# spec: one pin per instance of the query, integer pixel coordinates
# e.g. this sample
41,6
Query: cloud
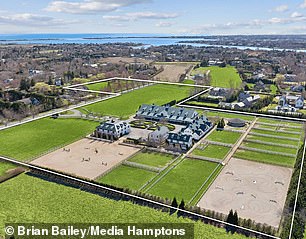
256,23
135,16
164,24
91,6
27,19
303,5
281,8
296,15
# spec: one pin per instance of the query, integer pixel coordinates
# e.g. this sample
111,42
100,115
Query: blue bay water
145,39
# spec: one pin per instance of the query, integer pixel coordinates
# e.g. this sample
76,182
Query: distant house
112,130
7,81
220,92
297,88
290,77
290,103
246,103
243,95
259,86
58,82
159,136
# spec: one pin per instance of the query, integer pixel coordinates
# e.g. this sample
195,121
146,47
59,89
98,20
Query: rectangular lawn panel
212,151
229,115
127,177
223,136
270,147
127,104
227,77
152,159
32,139
273,140
53,202
265,158
277,122
276,133
97,86
184,180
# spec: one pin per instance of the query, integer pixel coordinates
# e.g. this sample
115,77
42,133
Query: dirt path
239,142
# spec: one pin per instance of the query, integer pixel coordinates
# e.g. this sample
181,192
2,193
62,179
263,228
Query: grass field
229,115
207,104
270,147
212,151
183,181
224,136
278,128
57,203
189,82
97,86
277,122
127,177
127,104
273,140
276,133
265,158
34,138
226,77
4,167
152,159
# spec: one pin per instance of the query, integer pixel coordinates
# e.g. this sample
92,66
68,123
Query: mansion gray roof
112,127
174,137
172,114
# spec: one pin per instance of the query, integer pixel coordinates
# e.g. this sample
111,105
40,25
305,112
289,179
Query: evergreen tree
173,204
230,219
182,207
24,85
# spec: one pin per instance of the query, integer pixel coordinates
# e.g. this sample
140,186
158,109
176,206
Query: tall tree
175,205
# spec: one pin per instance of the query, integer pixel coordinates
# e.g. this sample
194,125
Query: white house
112,130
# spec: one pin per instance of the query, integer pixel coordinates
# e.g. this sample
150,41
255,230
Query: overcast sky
154,16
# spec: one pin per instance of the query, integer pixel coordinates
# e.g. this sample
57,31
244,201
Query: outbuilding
236,123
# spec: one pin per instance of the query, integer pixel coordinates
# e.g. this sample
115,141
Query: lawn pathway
239,142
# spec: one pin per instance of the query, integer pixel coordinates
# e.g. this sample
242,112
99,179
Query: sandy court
257,191
86,158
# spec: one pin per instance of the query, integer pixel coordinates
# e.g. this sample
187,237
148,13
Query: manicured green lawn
127,177
226,77
270,147
31,200
4,167
229,115
276,133
212,151
32,139
273,140
97,86
278,128
189,82
265,158
152,159
127,104
184,180
208,104
277,122
224,136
